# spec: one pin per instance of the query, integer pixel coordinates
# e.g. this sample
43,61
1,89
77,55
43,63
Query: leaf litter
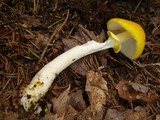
68,105
134,91
34,32
139,113
96,88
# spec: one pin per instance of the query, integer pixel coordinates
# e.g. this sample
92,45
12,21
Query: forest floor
34,32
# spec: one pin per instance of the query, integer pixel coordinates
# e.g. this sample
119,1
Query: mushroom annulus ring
123,35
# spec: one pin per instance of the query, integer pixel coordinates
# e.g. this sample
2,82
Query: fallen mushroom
123,35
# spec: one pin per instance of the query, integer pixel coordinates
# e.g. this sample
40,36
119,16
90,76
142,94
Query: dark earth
32,33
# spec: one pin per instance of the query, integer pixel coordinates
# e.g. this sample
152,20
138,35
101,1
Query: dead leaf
150,97
91,35
30,21
71,113
87,115
50,116
80,67
158,117
79,38
97,80
4,102
77,101
82,36
62,107
60,118
97,91
8,116
29,36
60,103
139,113
113,114
39,40
131,92
70,42
97,98
139,87
127,92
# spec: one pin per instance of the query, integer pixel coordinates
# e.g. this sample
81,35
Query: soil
32,34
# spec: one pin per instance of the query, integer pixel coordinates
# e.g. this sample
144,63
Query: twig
146,65
87,32
5,86
36,6
137,6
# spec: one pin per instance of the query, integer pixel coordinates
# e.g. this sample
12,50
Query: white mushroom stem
44,78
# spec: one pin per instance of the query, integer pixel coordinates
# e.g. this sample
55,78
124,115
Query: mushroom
123,35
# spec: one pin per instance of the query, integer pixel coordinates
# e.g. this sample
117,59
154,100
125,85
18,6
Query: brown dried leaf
30,21
97,98
97,91
60,118
71,113
69,43
139,113
158,117
4,102
102,37
62,106
113,114
39,40
77,101
50,116
29,36
91,35
87,115
97,80
79,38
150,97
80,67
8,116
82,36
139,87
126,91
60,103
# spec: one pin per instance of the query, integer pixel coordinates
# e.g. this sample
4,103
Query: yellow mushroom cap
133,47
